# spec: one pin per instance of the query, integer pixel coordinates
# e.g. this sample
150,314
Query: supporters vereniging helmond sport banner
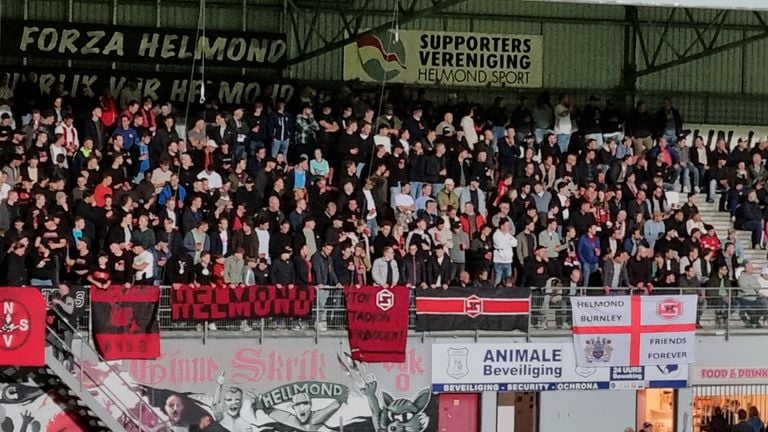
446,58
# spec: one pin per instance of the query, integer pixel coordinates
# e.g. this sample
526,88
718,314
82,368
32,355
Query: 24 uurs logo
14,330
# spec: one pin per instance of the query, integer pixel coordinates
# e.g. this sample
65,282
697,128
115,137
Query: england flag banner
634,330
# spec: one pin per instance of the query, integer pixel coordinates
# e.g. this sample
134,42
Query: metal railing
98,377
720,311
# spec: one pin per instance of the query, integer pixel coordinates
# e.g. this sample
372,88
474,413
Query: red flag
22,327
125,322
377,319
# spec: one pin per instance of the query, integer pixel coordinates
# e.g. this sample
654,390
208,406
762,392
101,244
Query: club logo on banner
634,330
22,327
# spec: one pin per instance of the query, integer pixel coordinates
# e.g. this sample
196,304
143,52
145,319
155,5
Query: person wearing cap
390,120
447,197
282,271
475,195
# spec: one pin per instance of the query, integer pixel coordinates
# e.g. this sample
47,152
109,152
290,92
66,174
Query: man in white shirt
468,126
504,244
446,126
262,232
161,175
382,138
57,147
563,125
403,202
214,179
143,265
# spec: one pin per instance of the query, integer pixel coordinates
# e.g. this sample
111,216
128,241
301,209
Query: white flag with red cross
634,330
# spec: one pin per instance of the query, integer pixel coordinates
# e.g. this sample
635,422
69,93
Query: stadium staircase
722,223
87,388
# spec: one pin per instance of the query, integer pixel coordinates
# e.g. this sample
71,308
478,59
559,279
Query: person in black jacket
435,168
95,129
303,267
179,269
640,126
203,271
535,275
417,162
439,269
282,271
669,122
16,267
750,217
413,272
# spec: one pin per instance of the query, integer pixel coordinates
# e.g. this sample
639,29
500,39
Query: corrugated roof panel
135,14
48,10
756,64
92,12
571,59
720,73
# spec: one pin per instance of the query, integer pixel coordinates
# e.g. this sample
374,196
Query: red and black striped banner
473,309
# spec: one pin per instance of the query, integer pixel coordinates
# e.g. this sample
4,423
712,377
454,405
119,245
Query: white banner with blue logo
634,330
478,367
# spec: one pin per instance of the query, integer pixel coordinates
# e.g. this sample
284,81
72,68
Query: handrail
718,312
144,406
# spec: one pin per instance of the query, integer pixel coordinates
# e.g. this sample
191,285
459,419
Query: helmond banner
141,44
446,58
162,86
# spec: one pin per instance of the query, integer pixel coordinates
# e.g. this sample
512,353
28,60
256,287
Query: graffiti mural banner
142,44
22,327
207,303
125,321
446,58
285,387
